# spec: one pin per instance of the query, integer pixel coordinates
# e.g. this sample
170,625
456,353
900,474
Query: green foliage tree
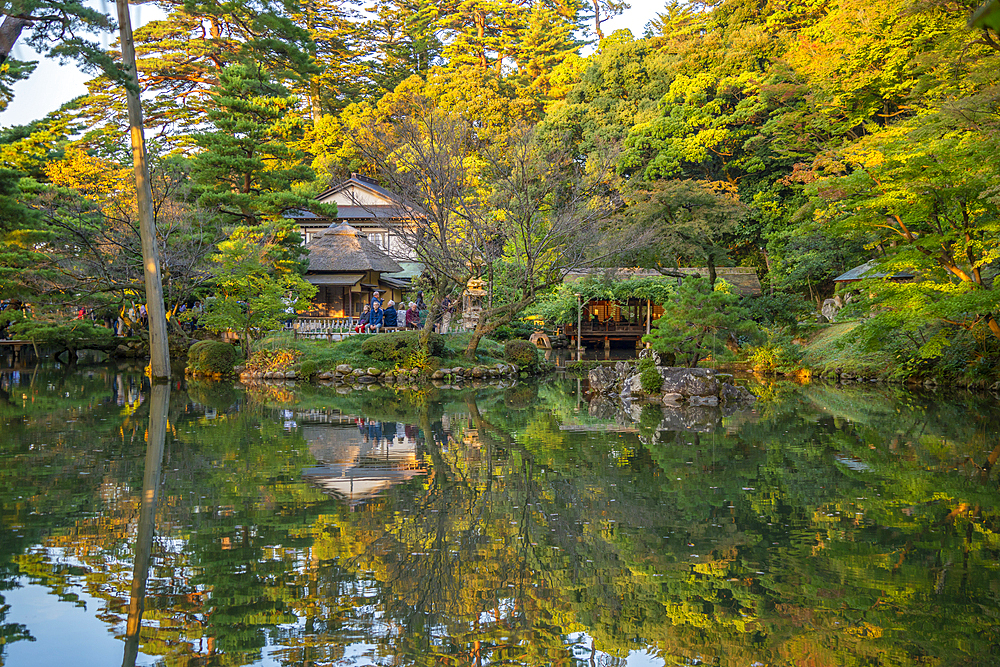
681,221
934,208
56,28
181,58
256,284
695,318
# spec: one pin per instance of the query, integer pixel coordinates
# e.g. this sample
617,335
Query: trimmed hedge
398,345
212,356
523,353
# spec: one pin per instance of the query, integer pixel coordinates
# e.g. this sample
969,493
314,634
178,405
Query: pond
205,524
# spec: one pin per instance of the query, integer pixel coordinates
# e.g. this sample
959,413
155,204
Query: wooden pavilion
608,322
346,268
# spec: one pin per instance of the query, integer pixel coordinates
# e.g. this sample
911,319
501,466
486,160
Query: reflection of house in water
360,462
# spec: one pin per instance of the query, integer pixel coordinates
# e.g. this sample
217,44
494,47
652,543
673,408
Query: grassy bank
831,350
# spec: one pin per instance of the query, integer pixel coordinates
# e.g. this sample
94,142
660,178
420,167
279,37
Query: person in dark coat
389,319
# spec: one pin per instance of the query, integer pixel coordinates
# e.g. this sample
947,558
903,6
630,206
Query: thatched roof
344,248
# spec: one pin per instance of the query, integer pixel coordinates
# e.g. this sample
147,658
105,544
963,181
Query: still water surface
281,526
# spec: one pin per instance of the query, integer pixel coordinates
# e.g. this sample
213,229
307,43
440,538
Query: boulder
672,400
689,381
624,369
603,379
374,371
830,309
731,394
632,386
658,359
437,375
344,369
367,379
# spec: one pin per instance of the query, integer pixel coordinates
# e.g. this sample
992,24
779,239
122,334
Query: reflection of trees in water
827,530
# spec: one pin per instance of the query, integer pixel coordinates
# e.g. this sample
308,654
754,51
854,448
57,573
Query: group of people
374,318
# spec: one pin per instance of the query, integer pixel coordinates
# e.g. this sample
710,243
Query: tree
473,197
547,214
55,28
251,160
930,201
255,284
685,221
182,58
696,312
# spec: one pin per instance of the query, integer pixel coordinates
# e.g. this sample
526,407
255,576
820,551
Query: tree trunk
159,349
598,20
10,30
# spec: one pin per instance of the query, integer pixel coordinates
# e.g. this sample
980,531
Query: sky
52,84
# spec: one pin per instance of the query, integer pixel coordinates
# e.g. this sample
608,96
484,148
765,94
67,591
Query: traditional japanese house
346,268
372,210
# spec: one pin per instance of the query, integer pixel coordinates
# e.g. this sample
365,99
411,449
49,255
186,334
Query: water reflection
362,458
830,526
155,437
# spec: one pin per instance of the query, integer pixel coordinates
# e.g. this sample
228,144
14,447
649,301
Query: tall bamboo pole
159,350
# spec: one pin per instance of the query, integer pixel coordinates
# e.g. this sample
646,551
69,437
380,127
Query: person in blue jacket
376,318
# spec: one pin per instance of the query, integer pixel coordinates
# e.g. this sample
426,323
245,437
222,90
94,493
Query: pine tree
694,315
250,162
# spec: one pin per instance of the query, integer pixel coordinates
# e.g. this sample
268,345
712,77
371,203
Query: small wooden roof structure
867,270
342,249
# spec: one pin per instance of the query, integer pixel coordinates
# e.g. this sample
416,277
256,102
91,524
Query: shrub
523,353
778,309
212,356
777,354
397,346
651,380
506,332
196,350
273,359
646,362
307,369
